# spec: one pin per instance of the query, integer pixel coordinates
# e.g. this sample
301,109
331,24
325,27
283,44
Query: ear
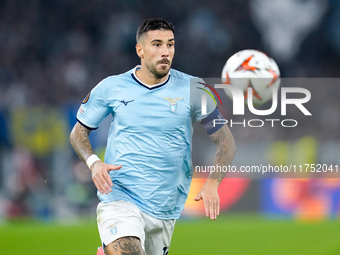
139,50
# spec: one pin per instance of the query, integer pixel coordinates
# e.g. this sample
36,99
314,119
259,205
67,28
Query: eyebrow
158,40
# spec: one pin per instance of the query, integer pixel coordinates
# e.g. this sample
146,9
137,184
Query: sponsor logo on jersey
126,102
172,102
82,110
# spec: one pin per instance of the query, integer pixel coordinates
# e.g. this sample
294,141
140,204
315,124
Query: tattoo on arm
125,246
225,152
80,141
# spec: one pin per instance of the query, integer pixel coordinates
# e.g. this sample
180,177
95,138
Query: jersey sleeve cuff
84,125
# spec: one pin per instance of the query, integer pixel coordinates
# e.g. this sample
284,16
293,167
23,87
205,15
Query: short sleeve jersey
150,136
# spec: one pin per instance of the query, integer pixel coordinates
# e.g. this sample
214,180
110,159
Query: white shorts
120,218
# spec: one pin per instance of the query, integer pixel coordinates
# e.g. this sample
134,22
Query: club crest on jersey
113,230
172,102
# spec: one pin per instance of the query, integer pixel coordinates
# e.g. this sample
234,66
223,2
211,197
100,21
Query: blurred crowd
54,51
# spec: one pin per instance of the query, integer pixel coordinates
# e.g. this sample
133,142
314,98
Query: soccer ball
252,69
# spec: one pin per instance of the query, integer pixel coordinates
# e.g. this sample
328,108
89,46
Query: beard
160,72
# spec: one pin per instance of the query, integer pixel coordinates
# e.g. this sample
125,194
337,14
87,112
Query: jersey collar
154,86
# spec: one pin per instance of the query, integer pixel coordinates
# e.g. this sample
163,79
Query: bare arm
80,142
225,152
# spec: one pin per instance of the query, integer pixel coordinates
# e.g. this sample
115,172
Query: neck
148,78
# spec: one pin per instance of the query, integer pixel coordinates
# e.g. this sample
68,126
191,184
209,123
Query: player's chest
143,102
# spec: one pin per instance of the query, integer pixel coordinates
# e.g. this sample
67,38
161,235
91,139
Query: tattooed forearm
80,142
125,246
225,143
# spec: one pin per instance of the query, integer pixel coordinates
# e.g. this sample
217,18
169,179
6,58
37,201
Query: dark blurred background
52,53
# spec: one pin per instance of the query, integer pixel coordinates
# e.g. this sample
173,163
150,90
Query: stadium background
54,52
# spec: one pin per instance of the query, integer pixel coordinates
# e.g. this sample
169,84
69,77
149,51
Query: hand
100,176
211,200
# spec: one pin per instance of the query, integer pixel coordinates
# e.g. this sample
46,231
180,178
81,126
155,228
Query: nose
165,52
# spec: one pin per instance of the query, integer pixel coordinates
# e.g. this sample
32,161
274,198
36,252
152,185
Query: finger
103,188
108,180
212,210
198,197
107,176
100,184
113,167
107,188
206,207
217,208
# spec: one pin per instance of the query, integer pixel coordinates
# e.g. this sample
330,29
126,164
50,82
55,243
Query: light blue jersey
150,136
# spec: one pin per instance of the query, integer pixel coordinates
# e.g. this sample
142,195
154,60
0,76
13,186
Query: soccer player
145,178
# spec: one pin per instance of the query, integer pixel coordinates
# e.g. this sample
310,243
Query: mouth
164,62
